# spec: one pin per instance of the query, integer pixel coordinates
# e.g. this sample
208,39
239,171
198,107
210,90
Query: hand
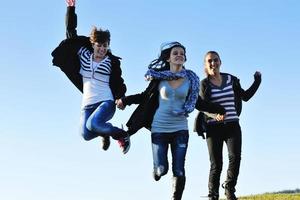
257,75
220,117
71,2
120,104
148,78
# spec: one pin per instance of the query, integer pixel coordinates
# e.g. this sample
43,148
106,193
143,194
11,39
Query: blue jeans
93,121
160,143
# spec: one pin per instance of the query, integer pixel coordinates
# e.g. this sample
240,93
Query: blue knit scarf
190,103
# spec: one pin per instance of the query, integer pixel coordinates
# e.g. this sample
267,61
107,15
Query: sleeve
140,97
203,104
248,94
116,81
71,22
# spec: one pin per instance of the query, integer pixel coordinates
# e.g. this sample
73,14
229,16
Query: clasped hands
119,104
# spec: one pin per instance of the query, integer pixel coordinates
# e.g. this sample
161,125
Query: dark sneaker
105,142
124,144
213,197
229,192
230,195
156,177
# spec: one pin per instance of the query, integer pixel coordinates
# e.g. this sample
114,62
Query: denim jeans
160,143
93,121
230,133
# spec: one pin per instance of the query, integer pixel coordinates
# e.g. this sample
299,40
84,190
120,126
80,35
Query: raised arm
71,2
247,94
71,19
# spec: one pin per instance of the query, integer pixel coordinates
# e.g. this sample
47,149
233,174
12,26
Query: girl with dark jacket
224,89
95,71
163,109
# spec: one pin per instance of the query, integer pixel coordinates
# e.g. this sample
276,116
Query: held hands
120,104
220,117
71,2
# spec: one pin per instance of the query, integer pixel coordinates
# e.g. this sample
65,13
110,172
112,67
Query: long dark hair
161,64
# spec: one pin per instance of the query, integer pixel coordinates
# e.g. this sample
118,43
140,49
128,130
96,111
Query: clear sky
42,155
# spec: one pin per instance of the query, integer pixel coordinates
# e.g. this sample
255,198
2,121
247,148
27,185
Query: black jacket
239,95
148,103
65,57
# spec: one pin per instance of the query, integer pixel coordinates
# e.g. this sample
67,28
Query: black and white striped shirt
224,95
95,78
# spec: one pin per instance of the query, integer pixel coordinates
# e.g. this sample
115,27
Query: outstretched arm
71,19
140,97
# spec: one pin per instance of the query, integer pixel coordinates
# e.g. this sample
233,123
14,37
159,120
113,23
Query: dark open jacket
148,103
66,58
239,95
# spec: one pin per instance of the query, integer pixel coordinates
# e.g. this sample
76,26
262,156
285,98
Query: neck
97,58
176,68
215,77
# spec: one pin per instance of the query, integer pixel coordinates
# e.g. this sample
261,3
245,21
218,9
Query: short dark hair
99,35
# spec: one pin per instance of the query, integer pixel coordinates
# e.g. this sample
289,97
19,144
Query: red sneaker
124,144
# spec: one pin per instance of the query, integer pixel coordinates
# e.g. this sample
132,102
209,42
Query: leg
178,187
85,114
215,148
179,147
87,134
160,154
97,121
234,146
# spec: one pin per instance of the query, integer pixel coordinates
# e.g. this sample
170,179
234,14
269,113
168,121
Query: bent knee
86,136
161,170
178,172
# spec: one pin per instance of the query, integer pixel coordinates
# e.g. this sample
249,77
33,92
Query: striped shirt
95,78
224,95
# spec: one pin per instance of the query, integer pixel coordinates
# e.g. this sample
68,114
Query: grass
295,196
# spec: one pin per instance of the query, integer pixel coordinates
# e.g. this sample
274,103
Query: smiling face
212,63
177,56
100,50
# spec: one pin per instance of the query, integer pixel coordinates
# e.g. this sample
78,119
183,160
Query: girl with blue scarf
163,109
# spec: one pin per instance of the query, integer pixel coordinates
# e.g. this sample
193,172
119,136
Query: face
100,49
212,64
177,56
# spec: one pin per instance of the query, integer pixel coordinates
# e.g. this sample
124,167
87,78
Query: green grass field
272,197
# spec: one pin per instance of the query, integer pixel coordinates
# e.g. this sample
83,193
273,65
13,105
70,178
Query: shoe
229,192
124,144
105,142
156,177
230,195
213,197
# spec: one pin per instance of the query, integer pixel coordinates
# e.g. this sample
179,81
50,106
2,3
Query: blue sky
42,155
